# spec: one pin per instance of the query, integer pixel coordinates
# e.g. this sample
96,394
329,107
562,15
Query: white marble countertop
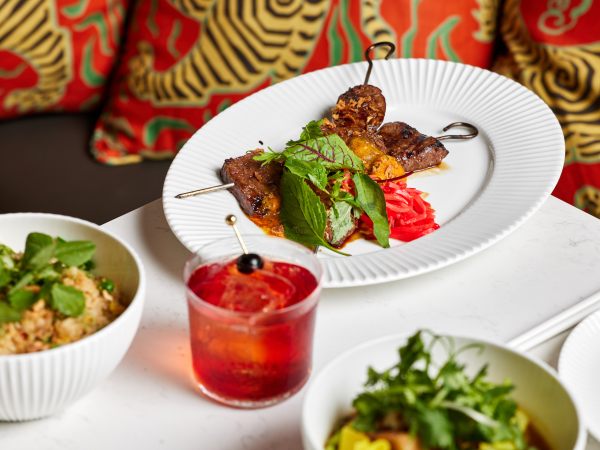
539,280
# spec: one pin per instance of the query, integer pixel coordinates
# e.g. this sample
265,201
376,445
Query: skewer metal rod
205,190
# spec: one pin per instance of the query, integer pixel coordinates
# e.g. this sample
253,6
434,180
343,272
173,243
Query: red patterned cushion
55,55
553,48
187,60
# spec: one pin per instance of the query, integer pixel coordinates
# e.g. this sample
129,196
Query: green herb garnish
441,405
36,275
318,163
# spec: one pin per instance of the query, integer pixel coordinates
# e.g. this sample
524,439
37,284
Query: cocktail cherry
246,262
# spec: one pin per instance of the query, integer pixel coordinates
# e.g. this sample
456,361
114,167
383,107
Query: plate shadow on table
167,252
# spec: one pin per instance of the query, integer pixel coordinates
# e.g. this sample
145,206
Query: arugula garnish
36,275
442,405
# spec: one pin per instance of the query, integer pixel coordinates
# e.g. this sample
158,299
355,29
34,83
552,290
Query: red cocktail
251,333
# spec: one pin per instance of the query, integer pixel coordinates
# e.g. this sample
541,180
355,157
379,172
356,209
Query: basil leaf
5,276
23,281
39,249
21,299
341,221
48,273
8,314
371,199
67,300
45,292
311,170
331,151
302,214
75,253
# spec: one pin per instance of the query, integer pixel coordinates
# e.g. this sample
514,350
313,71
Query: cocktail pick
246,262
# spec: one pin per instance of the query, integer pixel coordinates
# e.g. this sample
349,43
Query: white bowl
35,385
538,391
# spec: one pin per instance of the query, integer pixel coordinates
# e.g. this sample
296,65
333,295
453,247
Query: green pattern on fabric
97,20
207,115
14,73
355,50
88,74
409,36
76,9
556,16
172,39
151,19
335,43
443,34
226,103
89,103
154,127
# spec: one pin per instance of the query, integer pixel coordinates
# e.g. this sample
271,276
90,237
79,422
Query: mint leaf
331,151
302,214
39,249
371,199
67,300
310,170
21,299
341,221
8,314
74,253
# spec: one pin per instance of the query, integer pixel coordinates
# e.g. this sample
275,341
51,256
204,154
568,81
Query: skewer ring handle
474,131
370,48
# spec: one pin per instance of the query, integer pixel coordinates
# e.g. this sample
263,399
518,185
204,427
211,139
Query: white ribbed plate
579,367
492,183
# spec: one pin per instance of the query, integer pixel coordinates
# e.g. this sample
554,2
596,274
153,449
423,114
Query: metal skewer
205,190
231,220
474,131
392,49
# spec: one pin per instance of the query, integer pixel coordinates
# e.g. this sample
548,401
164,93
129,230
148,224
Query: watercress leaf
75,253
331,151
39,249
341,221
372,201
5,276
8,313
46,291
67,300
310,170
302,214
21,299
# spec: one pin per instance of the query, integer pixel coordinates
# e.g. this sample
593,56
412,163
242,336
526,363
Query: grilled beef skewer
256,188
414,150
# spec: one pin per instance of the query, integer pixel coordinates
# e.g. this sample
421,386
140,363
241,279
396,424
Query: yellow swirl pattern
567,78
275,39
30,30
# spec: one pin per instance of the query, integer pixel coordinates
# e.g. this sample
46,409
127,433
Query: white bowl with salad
71,298
439,392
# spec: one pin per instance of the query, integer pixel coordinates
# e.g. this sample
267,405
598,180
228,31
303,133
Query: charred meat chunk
360,108
414,150
256,185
